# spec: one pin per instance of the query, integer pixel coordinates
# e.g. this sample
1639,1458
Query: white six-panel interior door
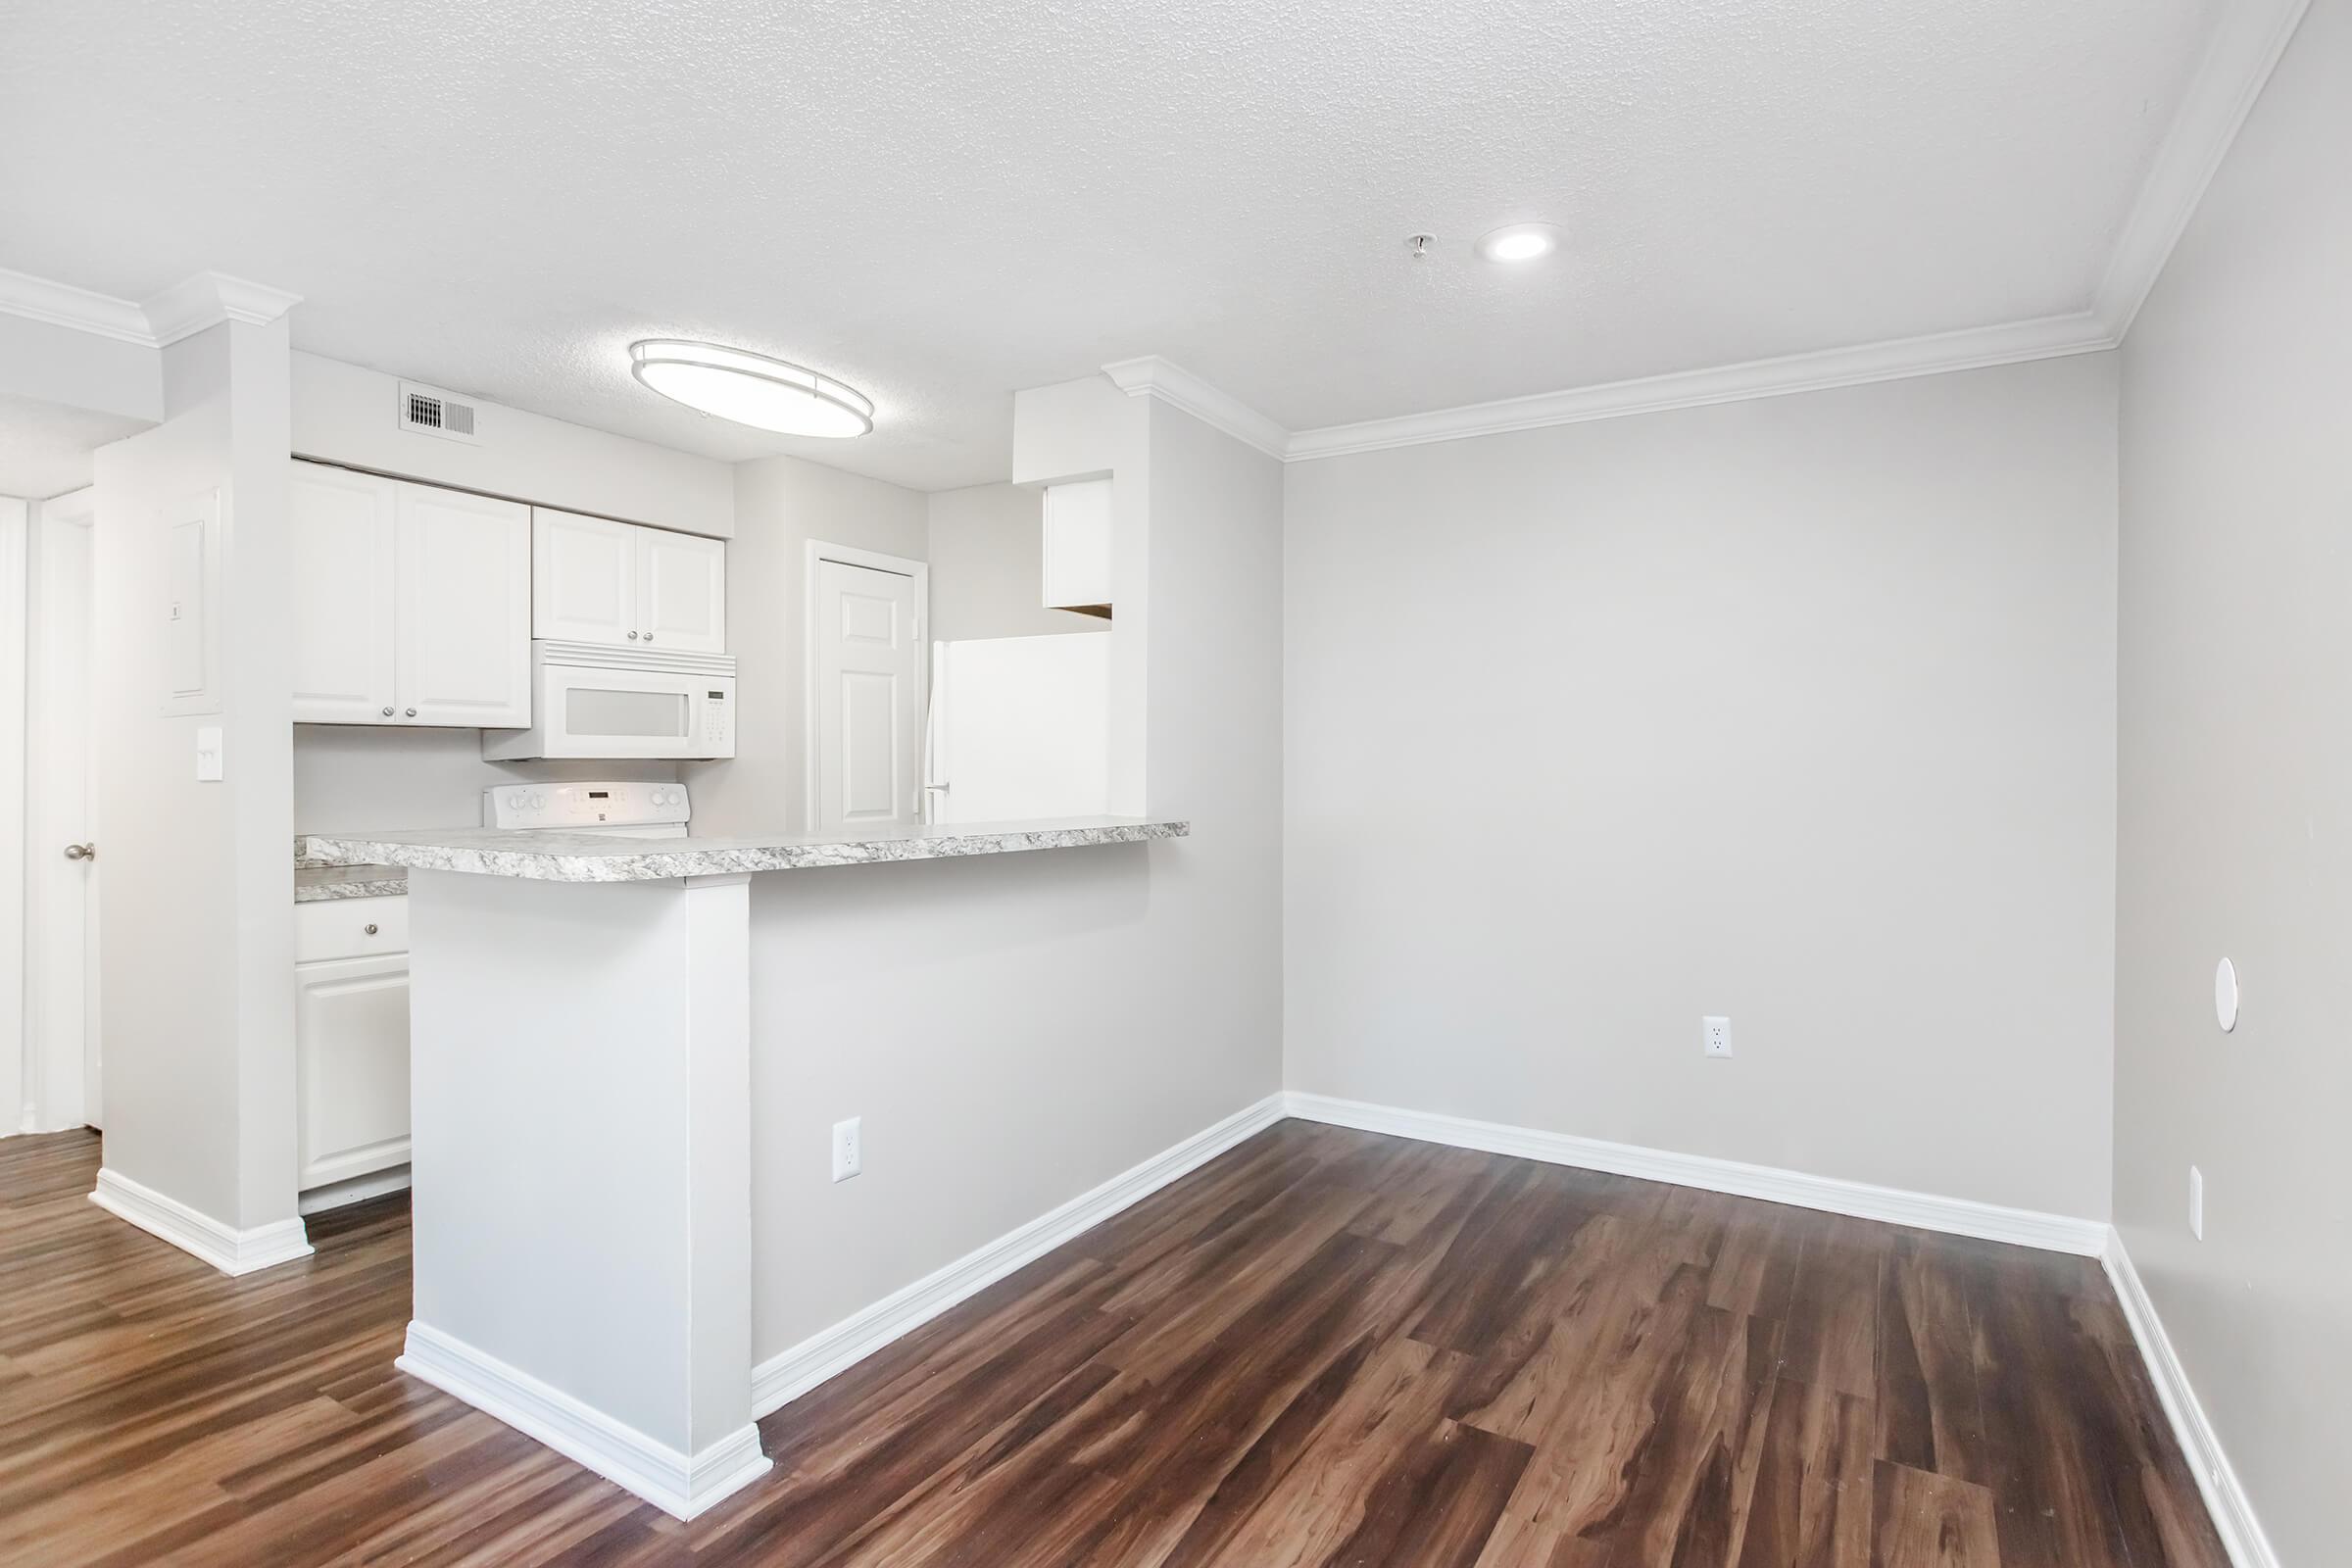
48,898
16,1114
60,1054
866,660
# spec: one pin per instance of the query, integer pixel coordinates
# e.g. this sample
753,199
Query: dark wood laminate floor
1325,1348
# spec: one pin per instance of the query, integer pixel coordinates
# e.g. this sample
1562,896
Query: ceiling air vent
429,411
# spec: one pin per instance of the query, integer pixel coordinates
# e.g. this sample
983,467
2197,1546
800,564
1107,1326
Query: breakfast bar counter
589,857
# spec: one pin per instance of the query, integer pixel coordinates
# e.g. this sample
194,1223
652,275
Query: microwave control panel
718,723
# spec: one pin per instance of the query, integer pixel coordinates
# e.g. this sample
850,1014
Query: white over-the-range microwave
589,699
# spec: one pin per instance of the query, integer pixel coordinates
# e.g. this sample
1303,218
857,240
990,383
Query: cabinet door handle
370,928
81,852
649,636
632,636
411,712
388,712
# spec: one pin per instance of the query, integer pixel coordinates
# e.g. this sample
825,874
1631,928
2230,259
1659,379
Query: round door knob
411,712
81,852
632,636
370,928
387,712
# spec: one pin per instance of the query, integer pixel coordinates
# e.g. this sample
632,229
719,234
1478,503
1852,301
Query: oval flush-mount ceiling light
750,388
1518,242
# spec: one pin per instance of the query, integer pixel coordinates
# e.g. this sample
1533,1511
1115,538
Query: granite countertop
589,857
314,881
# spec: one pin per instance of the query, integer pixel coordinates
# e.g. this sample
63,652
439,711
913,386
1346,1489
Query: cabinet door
345,559
584,578
464,617
351,1056
1078,546
682,591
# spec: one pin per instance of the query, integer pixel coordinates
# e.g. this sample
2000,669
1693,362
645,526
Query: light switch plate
208,754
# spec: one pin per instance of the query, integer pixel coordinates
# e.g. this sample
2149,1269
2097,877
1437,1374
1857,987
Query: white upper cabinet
464,640
594,580
583,577
345,557
682,591
412,602
1078,547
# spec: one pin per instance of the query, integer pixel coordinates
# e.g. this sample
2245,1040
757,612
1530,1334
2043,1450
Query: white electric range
630,809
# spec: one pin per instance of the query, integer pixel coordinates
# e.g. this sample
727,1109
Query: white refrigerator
1019,729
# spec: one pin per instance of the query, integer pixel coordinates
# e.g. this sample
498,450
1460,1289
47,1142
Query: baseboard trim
781,1379
2224,1498
679,1483
230,1250
1957,1217
354,1189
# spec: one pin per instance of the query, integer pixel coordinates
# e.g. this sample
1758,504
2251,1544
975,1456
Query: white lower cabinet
351,1042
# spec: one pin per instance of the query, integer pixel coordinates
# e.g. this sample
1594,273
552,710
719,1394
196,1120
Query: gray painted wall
780,505
195,927
1015,1030
2235,822
988,558
1799,710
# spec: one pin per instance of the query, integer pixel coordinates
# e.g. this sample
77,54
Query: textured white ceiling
45,447
941,202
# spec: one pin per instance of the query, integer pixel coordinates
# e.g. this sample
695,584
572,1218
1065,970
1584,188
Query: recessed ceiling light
1519,242
750,388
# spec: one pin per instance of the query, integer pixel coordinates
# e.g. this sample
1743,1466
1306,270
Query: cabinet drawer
350,928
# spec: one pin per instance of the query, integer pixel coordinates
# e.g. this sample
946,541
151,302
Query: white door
464,609
61,1012
16,1080
346,559
866,654
350,1047
583,578
682,591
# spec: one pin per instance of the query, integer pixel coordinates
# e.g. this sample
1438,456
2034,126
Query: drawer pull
372,928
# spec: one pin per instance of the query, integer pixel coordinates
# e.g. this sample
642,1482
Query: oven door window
637,715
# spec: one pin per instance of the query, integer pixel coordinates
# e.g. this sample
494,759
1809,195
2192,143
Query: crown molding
1972,349
2248,40
206,299
188,307
1153,377
37,299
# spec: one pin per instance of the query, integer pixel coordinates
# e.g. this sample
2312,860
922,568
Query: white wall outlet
208,754
2197,1203
1715,1036
849,1148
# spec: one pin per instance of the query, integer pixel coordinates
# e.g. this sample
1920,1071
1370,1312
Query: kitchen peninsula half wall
582,1019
